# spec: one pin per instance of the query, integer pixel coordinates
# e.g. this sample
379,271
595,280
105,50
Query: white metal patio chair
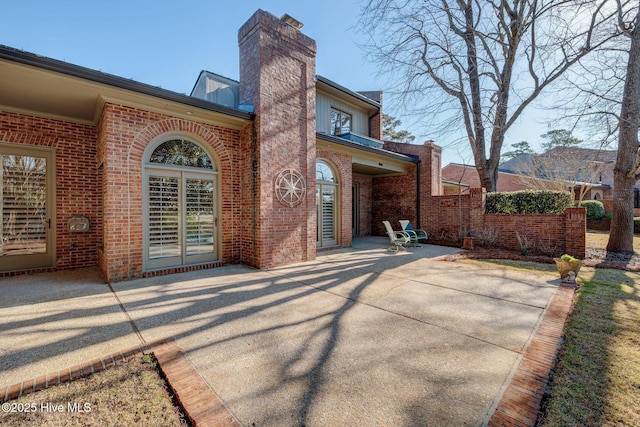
414,234
397,238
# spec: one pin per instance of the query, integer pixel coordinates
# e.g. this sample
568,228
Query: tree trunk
624,179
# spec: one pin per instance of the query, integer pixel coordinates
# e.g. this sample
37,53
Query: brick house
100,170
588,171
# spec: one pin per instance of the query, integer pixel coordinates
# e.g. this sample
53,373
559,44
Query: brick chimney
277,77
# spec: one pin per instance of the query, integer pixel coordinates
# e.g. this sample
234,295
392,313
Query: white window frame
321,242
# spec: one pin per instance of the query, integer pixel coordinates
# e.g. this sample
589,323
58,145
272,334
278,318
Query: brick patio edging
520,403
201,405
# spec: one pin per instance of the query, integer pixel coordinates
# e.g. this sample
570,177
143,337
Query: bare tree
479,64
625,173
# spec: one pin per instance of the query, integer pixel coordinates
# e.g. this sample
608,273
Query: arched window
326,204
324,172
179,152
180,204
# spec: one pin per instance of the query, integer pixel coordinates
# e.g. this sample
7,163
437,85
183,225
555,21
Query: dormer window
340,122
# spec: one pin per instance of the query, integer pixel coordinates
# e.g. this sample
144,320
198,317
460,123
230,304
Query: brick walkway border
521,400
201,405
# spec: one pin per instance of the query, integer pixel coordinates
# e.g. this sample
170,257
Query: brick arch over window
341,164
134,196
153,130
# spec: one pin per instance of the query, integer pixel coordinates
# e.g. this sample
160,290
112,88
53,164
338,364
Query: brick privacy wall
124,133
447,215
76,180
365,201
277,75
565,233
342,163
543,230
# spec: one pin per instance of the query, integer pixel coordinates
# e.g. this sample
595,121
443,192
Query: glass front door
26,206
181,218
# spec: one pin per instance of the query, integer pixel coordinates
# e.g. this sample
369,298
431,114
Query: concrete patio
357,337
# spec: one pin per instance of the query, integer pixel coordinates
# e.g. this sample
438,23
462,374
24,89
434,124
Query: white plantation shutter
200,216
164,217
328,213
181,221
23,203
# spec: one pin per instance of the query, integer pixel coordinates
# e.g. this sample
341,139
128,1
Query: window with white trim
180,208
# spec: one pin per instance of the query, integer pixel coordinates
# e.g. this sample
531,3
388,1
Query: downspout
418,194
377,113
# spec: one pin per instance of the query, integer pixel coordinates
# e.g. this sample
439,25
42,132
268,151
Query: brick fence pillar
575,234
477,198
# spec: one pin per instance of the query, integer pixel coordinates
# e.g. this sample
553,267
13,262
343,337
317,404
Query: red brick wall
365,184
277,76
447,215
76,180
549,230
455,213
124,133
394,198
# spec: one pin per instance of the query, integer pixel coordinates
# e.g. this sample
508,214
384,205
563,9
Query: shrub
636,225
568,258
487,237
528,202
595,209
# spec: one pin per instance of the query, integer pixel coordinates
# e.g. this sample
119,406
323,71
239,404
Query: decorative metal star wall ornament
290,187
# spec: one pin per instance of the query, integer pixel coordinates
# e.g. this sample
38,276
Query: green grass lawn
598,240
597,379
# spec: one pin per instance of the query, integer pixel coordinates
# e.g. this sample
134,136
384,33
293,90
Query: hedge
528,202
636,225
595,209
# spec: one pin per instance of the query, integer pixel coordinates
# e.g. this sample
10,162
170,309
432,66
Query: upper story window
179,152
340,122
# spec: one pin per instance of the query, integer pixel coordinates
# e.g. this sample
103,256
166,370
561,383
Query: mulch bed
600,258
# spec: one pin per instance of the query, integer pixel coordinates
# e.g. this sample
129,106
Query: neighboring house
589,171
466,176
100,170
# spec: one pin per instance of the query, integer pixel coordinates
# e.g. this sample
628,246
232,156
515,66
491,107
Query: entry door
181,219
326,213
27,206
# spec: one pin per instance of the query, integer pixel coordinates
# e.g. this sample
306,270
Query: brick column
477,198
575,234
277,77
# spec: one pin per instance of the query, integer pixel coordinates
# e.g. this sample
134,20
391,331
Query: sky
168,43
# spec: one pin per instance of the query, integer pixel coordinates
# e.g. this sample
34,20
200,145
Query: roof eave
57,66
